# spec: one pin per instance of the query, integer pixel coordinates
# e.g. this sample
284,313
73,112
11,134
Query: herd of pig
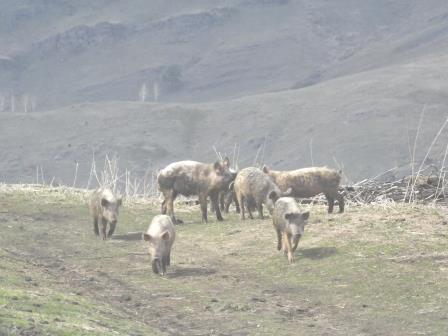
249,188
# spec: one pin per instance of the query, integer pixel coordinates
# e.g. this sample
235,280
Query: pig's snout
157,267
295,241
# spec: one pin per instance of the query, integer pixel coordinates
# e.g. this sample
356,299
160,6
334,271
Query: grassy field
371,271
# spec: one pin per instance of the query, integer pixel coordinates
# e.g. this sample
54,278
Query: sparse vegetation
374,270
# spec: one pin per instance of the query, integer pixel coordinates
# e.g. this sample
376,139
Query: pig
289,225
160,236
254,188
308,182
194,178
226,197
104,207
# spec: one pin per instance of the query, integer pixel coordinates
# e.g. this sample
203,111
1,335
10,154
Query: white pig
160,235
289,224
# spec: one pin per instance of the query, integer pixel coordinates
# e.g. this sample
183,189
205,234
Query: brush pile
418,189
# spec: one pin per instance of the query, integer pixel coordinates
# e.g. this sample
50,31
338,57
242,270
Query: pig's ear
226,162
119,201
273,195
265,169
306,215
165,235
104,202
146,237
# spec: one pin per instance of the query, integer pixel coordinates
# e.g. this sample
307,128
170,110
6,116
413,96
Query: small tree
142,93
25,102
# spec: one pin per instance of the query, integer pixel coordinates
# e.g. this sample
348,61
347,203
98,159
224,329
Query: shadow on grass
316,253
130,236
180,272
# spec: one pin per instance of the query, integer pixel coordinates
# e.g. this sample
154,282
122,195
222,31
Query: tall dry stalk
441,178
412,195
414,149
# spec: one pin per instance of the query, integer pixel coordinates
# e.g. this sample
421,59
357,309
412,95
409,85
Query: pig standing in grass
253,187
160,235
194,178
289,224
104,206
309,182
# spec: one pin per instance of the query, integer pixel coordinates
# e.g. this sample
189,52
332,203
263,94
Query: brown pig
289,225
160,235
194,178
308,182
253,187
104,206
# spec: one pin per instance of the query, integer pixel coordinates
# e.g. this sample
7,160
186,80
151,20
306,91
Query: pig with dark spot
289,224
254,188
104,207
160,236
309,182
190,178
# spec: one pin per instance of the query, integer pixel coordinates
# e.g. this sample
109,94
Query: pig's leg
237,203
279,239
170,197
222,198
249,210
241,202
287,241
330,200
112,227
169,206
212,206
260,210
203,203
215,200
168,259
174,196
294,246
95,226
103,228
340,199
164,264
227,203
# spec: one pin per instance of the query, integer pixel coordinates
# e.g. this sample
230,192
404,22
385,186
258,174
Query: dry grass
376,269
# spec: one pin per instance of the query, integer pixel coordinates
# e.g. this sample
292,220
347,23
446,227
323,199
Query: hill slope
366,122
60,52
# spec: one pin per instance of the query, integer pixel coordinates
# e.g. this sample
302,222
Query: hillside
364,123
60,52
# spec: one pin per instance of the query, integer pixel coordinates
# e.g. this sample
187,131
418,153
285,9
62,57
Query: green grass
370,271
